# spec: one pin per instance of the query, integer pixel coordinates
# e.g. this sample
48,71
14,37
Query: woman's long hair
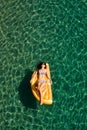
39,66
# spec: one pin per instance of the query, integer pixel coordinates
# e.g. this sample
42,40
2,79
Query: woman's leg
40,87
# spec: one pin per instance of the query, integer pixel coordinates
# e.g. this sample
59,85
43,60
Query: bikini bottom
42,81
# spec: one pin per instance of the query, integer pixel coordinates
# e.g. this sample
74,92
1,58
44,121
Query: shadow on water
25,92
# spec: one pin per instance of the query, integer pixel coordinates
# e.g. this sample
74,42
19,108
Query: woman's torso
42,74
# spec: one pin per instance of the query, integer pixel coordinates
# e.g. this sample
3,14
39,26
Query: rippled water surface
53,31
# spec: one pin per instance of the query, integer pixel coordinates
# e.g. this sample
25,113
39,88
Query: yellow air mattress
47,92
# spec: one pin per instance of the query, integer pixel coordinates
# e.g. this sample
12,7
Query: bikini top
42,73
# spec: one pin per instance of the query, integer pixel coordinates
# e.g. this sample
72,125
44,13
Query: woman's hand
50,81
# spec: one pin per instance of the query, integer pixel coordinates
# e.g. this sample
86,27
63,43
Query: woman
42,74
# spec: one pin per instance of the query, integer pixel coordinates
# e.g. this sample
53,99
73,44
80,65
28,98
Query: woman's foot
41,102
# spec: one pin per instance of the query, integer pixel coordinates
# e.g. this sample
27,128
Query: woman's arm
49,77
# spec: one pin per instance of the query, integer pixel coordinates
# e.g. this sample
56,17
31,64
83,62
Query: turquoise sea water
54,31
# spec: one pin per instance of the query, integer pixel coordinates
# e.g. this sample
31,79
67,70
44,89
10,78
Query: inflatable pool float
47,92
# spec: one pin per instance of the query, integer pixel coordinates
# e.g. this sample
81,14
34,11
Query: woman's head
41,65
